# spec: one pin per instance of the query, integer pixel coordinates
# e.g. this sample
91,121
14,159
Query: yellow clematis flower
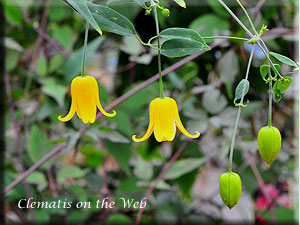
163,120
85,100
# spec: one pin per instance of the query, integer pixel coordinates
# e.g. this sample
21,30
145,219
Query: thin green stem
268,57
236,18
251,35
239,113
270,102
158,51
84,48
226,37
245,11
149,42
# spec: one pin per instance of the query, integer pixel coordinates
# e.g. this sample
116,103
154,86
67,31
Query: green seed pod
269,143
230,188
165,12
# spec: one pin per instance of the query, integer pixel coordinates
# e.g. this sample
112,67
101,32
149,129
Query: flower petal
95,89
150,126
164,124
70,114
86,104
147,134
179,123
73,104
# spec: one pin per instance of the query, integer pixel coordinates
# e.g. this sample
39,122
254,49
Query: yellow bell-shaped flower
163,120
85,100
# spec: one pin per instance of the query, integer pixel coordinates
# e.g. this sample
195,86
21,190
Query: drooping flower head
85,100
163,120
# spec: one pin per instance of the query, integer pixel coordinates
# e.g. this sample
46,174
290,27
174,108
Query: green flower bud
269,143
165,12
230,188
148,12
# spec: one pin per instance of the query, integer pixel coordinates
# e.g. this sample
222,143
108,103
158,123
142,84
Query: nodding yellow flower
85,100
163,120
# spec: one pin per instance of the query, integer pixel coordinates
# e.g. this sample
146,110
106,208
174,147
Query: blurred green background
104,161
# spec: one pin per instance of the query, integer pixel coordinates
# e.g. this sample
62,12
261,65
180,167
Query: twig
257,8
159,178
36,53
45,36
18,135
56,150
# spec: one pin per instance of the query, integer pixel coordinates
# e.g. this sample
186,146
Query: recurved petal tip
136,139
195,135
64,119
112,114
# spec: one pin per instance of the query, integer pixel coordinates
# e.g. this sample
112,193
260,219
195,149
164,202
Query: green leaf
186,182
111,21
218,8
281,86
284,59
41,65
130,185
139,2
121,152
182,33
107,133
181,3
55,62
182,47
39,145
63,34
81,7
143,169
72,67
209,25
277,66
264,70
119,218
241,90
13,13
70,172
93,155
55,90
39,179
183,166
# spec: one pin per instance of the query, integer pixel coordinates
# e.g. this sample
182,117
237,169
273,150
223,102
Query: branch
261,184
56,150
17,129
159,178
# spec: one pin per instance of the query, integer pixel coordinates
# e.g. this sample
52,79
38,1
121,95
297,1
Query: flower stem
84,48
158,51
245,11
266,53
236,18
226,37
270,102
239,113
